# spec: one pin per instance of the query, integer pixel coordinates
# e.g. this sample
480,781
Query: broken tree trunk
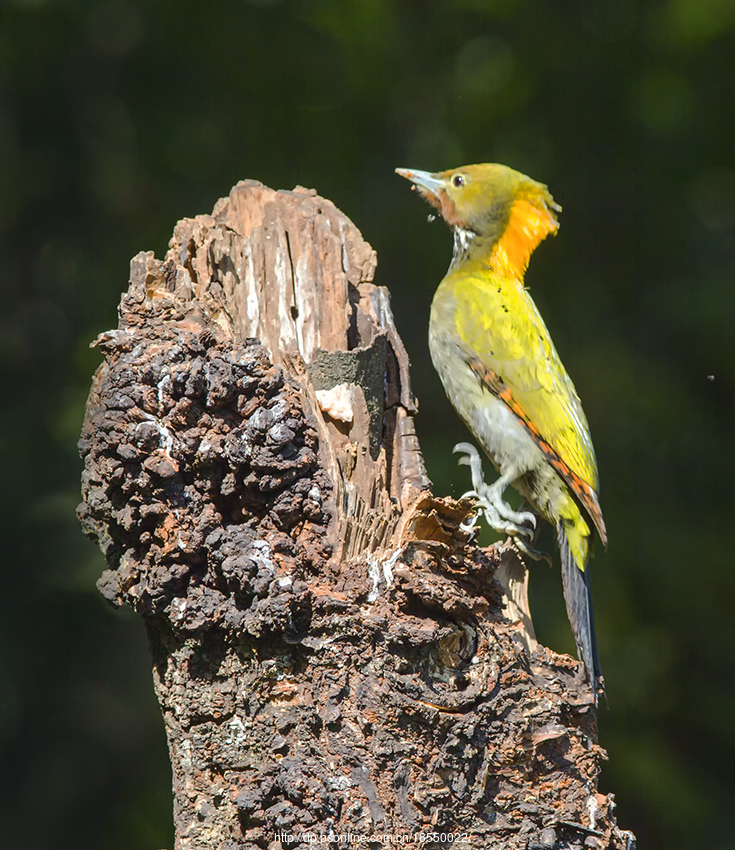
333,654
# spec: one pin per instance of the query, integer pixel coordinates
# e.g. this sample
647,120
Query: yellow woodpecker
501,372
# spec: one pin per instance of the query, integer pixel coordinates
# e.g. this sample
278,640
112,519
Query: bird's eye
458,180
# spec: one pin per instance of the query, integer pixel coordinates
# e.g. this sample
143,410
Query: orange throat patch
527,225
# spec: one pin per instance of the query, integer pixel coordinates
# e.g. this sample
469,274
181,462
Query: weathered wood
332,652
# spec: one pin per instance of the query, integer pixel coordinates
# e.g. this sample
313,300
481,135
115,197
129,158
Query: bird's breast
493,424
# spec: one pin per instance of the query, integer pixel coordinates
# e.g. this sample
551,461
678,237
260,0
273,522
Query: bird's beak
427,183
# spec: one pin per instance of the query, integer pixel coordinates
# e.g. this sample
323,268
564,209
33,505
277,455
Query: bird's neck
508,251
467,245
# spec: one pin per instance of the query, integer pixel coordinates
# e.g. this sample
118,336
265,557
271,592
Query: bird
504,377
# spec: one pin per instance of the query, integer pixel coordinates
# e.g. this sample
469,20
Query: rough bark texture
333,655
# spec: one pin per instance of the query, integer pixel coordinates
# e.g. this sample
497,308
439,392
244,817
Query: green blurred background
119,117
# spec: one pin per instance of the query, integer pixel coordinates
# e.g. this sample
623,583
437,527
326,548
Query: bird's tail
573,539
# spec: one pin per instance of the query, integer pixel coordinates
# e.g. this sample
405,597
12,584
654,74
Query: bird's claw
490,502
533,554
517,524
470,527
469,456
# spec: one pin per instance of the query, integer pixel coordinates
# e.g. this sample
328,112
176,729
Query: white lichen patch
260,553
378,570
178,608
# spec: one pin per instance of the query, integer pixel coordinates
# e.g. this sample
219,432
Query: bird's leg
490,501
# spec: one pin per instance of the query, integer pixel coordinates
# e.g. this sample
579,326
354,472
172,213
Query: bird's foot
521,525
533,554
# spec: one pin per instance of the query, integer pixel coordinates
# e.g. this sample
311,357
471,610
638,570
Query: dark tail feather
578,596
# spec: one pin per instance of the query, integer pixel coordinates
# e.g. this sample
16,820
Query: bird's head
508,211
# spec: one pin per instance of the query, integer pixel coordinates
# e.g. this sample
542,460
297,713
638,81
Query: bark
333,654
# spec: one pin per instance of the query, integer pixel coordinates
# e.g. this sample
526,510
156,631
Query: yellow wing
510,349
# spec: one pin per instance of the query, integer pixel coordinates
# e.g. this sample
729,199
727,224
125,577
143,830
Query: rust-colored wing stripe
580,488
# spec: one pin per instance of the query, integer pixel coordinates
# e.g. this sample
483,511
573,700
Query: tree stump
335,659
